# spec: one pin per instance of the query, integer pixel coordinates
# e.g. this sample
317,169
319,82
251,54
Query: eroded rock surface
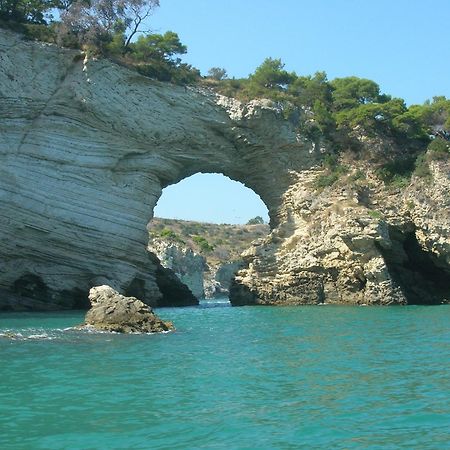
219,279
192,269
357,242
87,146
111,311
85,150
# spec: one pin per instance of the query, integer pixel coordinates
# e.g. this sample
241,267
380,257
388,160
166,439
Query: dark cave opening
31,286
37,296
423,279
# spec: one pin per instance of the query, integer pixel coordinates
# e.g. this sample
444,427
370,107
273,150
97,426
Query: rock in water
111,311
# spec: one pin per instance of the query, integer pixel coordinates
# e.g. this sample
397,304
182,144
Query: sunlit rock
111,311
86,148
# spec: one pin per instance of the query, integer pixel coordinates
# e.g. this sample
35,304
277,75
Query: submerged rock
10,335
111,311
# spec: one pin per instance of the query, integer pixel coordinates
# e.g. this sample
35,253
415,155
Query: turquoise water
231,378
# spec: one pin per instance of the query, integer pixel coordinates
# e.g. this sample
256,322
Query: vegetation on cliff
103,28
349,113
218,243
337,115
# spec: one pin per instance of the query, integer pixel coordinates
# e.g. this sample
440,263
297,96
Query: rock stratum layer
87,146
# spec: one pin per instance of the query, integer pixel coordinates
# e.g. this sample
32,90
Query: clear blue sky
210,198
403,45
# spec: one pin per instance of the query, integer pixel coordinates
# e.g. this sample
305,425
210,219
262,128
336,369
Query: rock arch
227,200
200,230
87,147
93,146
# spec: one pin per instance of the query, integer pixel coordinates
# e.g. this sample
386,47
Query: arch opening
211,198
201,226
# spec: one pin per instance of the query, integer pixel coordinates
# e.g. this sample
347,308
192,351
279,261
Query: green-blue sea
230,378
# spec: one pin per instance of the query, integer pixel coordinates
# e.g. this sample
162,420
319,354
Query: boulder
111,311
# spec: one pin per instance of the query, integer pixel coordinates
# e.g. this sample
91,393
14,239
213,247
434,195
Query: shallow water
230,378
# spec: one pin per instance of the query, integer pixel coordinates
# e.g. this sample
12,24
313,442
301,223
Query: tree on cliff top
350,92
23,11
271,74
256,221
158,46
156,56
217,73
96,21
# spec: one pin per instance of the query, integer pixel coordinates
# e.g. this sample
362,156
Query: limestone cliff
86,147
187,265
357,242
192,269
219,281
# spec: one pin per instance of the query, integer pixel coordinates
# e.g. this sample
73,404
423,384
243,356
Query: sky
210,198
403,45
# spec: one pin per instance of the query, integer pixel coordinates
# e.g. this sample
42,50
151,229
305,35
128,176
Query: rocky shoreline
203,278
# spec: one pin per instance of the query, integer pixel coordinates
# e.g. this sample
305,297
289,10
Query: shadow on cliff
422,278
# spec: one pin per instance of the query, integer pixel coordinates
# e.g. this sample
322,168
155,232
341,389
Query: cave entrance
423,279
200,228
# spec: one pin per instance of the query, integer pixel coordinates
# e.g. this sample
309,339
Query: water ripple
230,378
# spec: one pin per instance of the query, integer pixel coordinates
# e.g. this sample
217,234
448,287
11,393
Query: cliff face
358,242
193,270
219,281
188,266
204,256
87,146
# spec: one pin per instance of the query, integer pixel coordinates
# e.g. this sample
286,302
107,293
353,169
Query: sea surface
319,377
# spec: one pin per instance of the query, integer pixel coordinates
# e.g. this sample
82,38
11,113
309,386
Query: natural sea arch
172,293
89,148
210,206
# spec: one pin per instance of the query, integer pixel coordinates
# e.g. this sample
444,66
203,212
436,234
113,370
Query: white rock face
218,280
192,269
355,242
86,148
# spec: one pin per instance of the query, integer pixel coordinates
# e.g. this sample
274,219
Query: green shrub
358,175
397,173
170,235
439,149
422,169
334,171
256,221
330,161
325,180
39,32
375,214
204,245
400,181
